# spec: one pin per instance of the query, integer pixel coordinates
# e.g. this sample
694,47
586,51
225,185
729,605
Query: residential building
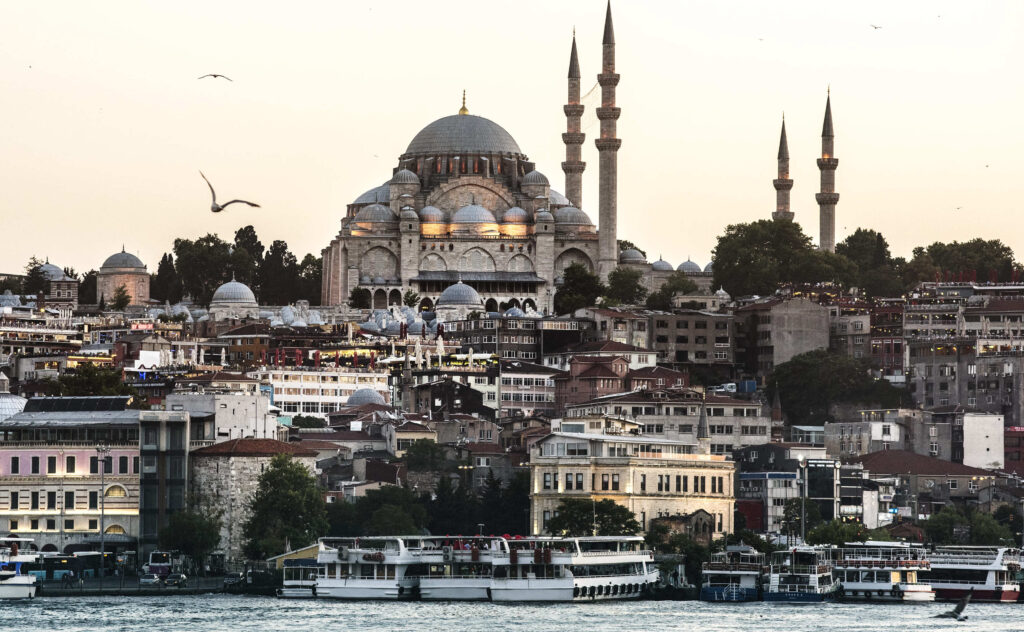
774,330
625,325
636,357
772,474
516,336
527,389
850,328
316,392
163,479
690,338
222,414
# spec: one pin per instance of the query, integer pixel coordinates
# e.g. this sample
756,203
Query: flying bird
217,208
958,612
216,76
875,27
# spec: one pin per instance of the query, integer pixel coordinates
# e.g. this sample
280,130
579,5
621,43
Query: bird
216,76
957,612
217,208
875,27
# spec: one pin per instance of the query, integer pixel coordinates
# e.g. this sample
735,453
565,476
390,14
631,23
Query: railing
81,444
200,443
731,566
600,553
876,563
801,570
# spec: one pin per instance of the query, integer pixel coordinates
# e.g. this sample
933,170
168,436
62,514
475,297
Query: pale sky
105,126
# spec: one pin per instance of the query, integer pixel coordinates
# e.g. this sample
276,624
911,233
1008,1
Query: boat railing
876,563
731,566
965,582
604,553
966,561
801,569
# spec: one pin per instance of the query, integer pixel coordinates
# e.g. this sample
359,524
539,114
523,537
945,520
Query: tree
953,525
424,455
625,244
877,273
411,298
453,509
246,239
986,259
287,509
838,532
90,380
243,267
87,288
359,298
193,533
279,275
165,285
577,517
307,421
35,280
676,283
121,299
624,287
203,265
311,272
390,520
580,288
795,510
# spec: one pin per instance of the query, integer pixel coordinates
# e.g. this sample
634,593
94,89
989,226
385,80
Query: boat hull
511,590
296,592
800,597
979,594
728,594
17,590
455,589
367,589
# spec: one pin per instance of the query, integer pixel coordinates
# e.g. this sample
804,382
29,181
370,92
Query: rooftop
253,447
904,462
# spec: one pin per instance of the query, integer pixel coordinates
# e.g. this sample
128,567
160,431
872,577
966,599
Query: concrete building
850,328
527,389
691,338
772,474
514,336
316,392
774,330
163,478
636,357
127,270
222,414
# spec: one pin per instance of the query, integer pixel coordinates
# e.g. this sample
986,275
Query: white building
983,440
317,392
221,415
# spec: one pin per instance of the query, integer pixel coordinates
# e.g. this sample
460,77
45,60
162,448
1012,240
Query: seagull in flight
216,76
217,208
875,27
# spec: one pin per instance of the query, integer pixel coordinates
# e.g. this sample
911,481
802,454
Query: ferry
299,578
989,571
455,568
802,574
733,575
365,568
882,571
533,569
13,583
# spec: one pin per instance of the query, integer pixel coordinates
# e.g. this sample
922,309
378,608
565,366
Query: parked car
231,579
149,580
177,579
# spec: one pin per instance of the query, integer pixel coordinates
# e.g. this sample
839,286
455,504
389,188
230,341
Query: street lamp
803,496
63,473
101,454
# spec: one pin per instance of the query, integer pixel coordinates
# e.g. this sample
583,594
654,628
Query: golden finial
463,109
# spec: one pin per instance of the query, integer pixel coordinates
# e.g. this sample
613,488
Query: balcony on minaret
827,163
782,184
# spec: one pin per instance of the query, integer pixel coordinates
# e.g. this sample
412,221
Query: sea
218,612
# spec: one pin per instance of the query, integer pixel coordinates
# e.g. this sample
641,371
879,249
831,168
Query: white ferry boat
455,568
988,571
365,568
533,569
733,575
13,583
802,574
882,571
299,578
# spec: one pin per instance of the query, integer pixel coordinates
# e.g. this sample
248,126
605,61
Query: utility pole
101,451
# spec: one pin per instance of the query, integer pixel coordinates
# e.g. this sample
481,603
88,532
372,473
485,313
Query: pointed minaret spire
827,197
573,136
703,432
607,147
783,184
609,30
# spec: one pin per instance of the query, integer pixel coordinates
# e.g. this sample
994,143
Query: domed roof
631,255
9,300
536,177
365,396
557,198
463,133
708,269
473,214
52,272
375,213
234,292
544,215
431,215
572,215
662,266
9,404
722,294
409,214
459,294
123,260
375,195
515,215
514,312
405,177
689,268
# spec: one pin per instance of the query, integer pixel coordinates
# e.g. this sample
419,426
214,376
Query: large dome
689,268
572,216
123,260
463,133
365,396
52,272
234,292
459,294
631,255
473,214
375,213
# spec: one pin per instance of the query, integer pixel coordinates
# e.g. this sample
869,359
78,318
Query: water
216,613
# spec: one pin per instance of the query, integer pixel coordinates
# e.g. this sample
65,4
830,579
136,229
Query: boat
802,574
532,569
365,568
882,571
987,572
455,568
13,583
299,578
732,575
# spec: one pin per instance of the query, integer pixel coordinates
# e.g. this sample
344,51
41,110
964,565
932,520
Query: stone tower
783,184
828,197
607,147
573,136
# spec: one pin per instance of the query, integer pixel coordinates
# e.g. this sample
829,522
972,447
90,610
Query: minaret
573,136
607,147
828,197
783,184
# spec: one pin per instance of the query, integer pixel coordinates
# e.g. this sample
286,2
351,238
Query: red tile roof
253,447
600,346
483,448
904,462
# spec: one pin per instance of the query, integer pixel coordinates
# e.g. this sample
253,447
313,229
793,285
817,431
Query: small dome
123,260
431,215
375,195
544,216
52,272
379,280
557,198
536,177
365,396
708,269
473,214
515,312
515,215
722,294
298,322
689,268
662,266
405,177
571,215
375,213
459,294
631,255
409,214
9,300
234,292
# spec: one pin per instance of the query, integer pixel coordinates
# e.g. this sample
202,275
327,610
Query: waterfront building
224,407
163,477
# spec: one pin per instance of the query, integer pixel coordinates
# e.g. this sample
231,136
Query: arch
459,192
573,255
529,304
116,491
115,529
378,262
394,297
426,305
476,260
433,262
491,305
519,263
514,302
49,548
380,299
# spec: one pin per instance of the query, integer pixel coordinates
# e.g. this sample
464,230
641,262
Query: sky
104,125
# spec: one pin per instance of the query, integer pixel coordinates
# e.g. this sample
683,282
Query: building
850,328
652,478
123,269
774,330
593,377
515,336
62,290
691,338
10,404
773,474
527,389
444,397
219,414
316,392
636,357
163,478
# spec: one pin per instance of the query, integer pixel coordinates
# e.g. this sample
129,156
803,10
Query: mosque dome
515,215
572,216
544,215
376,195
405,177
459,294
10,404
558,199
375,213
708,270
9,300
631,255
473,214
123,260
52,272
722,294
234,292
689,268
431,215
409,214
514,312
536,177
462,133
365,396
662,266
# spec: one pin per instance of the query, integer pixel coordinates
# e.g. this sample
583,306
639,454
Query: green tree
279,275
694,553
838,532
243,267
579,517
676,283
35,280
424,455
343,520
359,298
121,299
986,531
987,259
580,288
87,288
453,509
625,244
308,421
877,272
792,514
624,287
287,509
165,285
411,298
311,272
246,239
203,265
194,533
390,520
396,499
90,380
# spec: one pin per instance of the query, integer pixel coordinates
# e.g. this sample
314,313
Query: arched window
115,529
116,491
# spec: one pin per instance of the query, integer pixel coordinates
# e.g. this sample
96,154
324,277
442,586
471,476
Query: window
94,501
51,524
35,465
643,482
93,524
15,465
14,502
568,481
547,482
604,482
51,465
122,465
69,500
69,525
615,482
69,465
953,484
679,483
94,467
51,500
135,465
35,500
579,481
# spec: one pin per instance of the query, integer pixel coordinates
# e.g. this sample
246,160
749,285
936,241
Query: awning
470,277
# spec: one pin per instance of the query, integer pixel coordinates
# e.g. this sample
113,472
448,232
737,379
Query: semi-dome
515,215
558,199
572,215
708,269
375,213
234,292
409,214
52,272
365,396
689,268
662,266
473,214
631,255
123,260
431,215
405,176
463,133
459,294
536,177
375,195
